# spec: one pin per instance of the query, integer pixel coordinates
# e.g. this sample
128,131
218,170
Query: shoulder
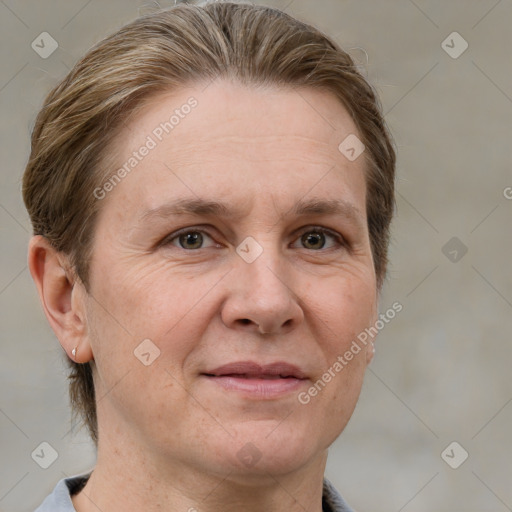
60,498
332,500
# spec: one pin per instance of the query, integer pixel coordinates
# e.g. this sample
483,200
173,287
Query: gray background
441,372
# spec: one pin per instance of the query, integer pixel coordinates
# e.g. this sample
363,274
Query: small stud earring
73,352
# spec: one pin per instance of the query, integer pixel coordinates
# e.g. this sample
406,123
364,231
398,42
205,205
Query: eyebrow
203,207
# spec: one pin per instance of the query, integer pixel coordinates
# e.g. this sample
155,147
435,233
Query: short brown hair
169,49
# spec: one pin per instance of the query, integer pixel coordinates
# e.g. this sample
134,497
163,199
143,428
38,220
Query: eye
188,239
314,238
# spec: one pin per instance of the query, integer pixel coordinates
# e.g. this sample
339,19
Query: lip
258,381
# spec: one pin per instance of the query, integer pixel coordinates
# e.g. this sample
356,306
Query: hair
157,53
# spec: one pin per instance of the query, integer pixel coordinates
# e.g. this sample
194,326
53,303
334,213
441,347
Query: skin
170,438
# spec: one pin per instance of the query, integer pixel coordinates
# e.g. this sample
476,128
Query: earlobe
62,298
370,352
370,348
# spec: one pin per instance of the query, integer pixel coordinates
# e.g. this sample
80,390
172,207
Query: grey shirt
60,499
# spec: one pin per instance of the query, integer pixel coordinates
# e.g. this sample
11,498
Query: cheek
152,303
141,296
344,309
131,318
347,305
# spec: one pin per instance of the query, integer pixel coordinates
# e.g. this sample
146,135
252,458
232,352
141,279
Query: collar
60,499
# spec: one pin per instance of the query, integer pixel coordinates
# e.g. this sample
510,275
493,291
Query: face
237,247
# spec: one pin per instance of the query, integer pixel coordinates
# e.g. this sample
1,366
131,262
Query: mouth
258,381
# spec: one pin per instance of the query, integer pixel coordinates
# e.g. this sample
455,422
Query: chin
262,449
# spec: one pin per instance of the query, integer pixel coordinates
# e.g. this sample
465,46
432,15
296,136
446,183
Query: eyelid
341,241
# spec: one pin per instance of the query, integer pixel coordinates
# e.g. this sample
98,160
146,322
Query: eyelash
313,229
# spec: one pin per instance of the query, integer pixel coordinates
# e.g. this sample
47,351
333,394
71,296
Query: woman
211,190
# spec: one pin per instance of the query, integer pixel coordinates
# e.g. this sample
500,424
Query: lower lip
259,388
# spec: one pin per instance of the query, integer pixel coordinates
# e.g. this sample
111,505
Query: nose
261,298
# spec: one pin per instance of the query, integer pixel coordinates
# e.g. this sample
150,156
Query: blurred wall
441,374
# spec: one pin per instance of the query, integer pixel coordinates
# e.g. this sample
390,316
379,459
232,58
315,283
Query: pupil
191,238
316,236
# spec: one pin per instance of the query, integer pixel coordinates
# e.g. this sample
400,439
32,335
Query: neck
126,478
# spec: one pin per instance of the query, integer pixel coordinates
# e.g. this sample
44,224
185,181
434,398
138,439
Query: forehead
224,137
226,109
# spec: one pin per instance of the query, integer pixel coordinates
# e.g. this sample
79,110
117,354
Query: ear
62,296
